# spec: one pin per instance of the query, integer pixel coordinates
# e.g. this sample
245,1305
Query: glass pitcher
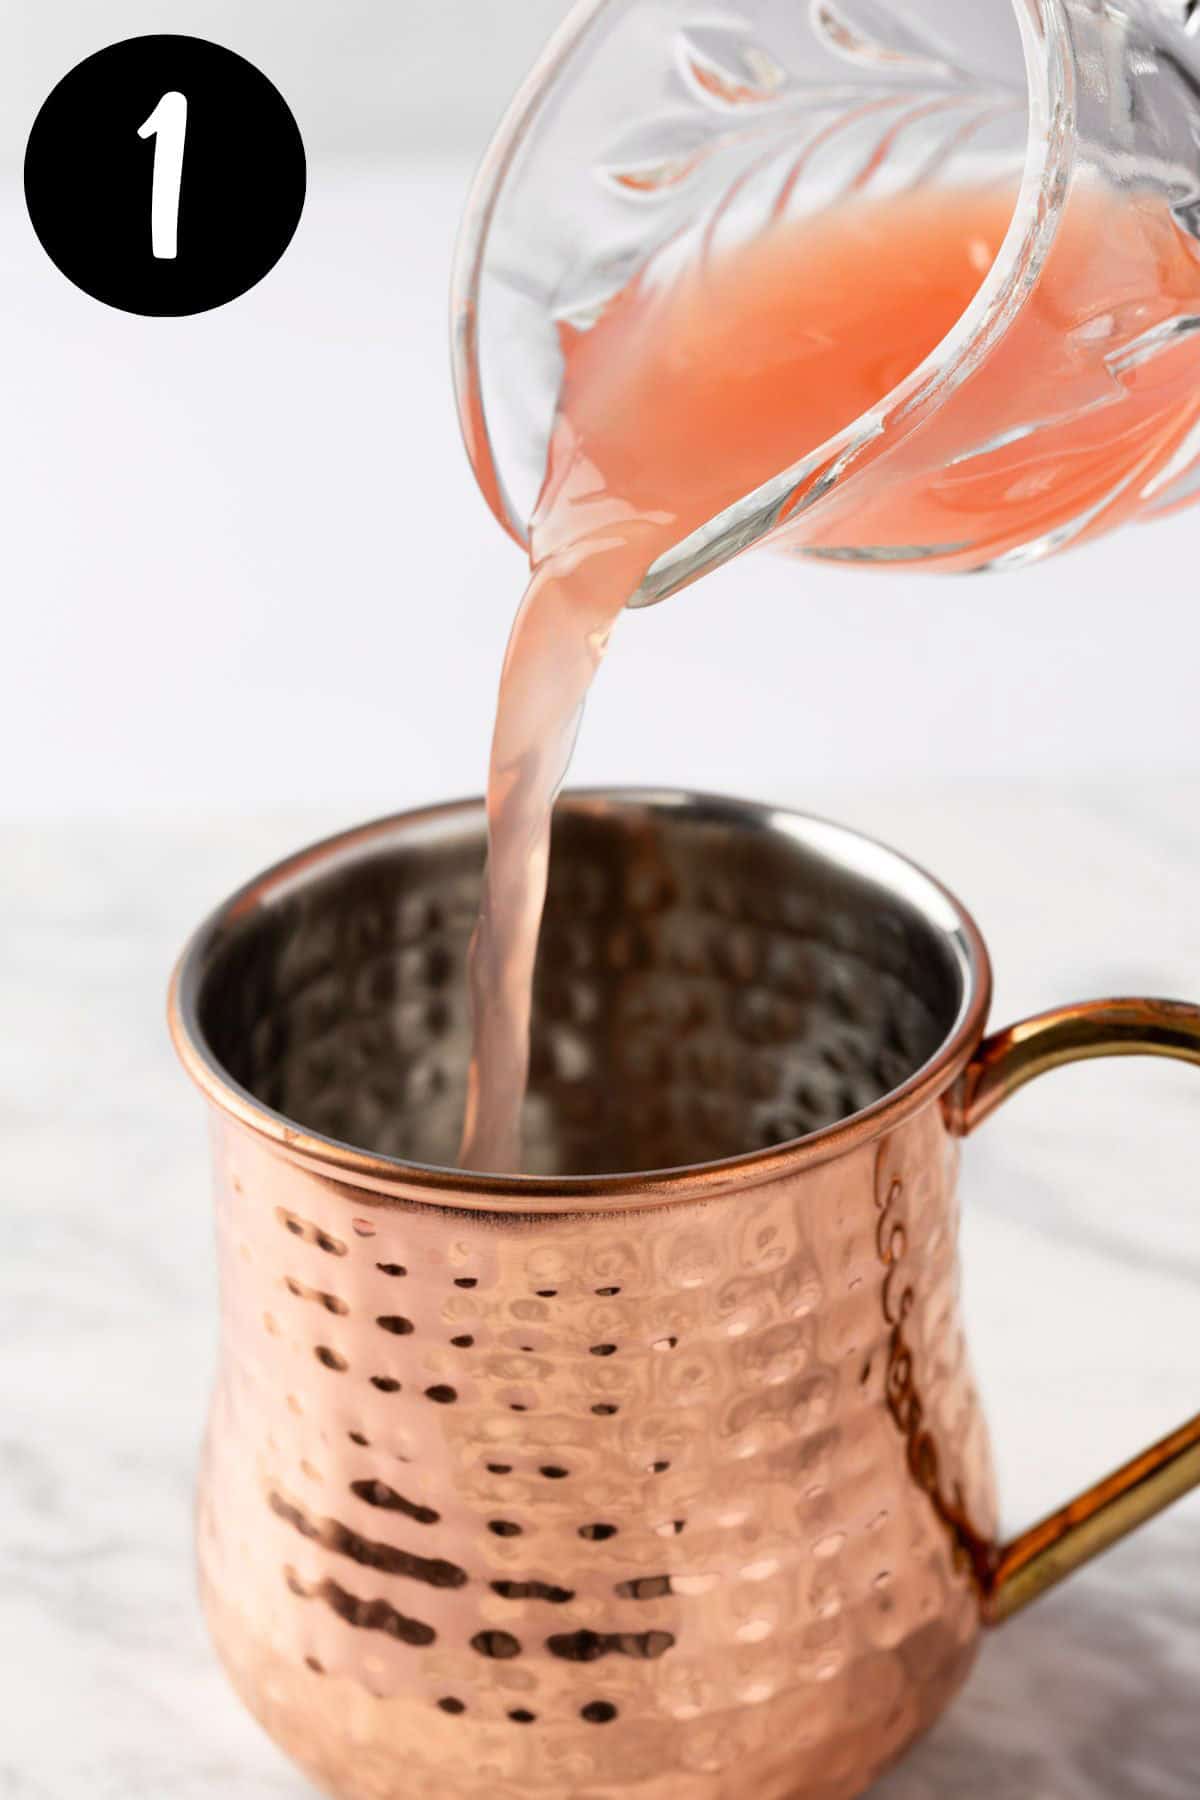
1066,398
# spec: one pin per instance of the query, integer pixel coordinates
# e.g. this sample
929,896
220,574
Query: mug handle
1019,1572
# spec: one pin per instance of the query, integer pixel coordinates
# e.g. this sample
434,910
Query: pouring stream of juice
683,398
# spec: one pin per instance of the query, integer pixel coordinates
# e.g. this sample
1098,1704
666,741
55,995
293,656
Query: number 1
167,125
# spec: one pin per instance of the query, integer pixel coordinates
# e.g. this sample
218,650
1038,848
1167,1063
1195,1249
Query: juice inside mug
690,392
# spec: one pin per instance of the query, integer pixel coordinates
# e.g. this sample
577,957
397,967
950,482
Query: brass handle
1017,1573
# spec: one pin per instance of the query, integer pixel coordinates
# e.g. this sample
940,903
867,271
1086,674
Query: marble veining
1082,1255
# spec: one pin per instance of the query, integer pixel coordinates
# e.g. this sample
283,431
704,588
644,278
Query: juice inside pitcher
689,393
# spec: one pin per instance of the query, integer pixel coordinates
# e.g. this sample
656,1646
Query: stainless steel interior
713,978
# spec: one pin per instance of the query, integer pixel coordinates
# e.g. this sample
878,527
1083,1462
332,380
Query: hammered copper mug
670,1484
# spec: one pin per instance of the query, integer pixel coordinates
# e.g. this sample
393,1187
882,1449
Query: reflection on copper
972,1551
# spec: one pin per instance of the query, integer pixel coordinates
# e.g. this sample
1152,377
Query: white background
361,75
246,566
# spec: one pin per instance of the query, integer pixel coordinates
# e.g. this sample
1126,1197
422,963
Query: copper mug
671,1484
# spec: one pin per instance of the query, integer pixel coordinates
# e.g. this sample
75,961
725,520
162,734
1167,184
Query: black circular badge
165,175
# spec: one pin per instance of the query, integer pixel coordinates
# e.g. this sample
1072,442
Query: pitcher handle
1021,1571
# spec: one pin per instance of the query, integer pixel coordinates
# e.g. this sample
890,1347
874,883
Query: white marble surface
1082,1248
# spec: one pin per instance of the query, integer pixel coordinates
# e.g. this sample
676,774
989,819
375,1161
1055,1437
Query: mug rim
390,1176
